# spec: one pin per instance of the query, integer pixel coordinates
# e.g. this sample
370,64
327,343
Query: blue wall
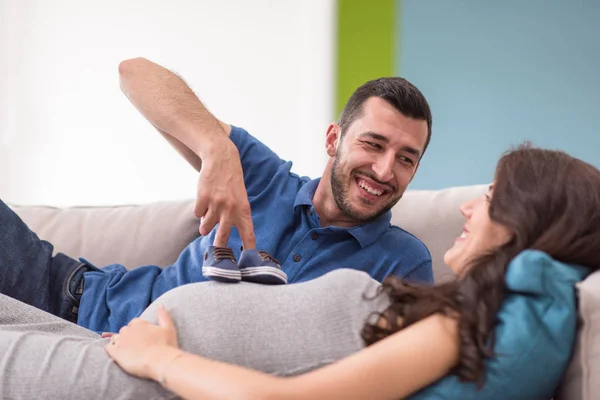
499,72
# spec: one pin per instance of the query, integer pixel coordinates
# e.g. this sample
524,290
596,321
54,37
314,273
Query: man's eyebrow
374,135
411,150
381,138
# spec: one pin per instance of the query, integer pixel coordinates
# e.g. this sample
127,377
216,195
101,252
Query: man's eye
406,160
373,145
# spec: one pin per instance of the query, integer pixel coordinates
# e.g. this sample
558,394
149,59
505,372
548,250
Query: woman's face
480,234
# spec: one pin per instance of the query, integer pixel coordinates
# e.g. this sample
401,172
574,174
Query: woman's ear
508,235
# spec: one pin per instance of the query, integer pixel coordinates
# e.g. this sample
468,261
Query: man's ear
332,139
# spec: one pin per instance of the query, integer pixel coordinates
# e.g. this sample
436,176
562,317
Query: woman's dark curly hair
551,202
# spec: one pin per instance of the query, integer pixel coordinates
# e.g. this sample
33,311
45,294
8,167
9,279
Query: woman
540,200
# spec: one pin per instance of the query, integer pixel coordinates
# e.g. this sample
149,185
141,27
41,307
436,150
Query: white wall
69,137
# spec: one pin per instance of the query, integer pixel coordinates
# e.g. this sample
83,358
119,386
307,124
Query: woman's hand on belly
142,348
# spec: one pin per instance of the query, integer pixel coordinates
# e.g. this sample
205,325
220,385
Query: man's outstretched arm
172,107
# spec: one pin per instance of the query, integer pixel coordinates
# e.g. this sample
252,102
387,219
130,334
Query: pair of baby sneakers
253,266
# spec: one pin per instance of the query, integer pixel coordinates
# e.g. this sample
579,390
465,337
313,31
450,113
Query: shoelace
267,257
223,253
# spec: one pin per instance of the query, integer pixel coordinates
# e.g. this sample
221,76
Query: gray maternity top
280,330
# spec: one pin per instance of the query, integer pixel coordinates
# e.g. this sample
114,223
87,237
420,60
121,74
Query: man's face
375,161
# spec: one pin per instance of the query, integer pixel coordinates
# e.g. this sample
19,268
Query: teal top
535,334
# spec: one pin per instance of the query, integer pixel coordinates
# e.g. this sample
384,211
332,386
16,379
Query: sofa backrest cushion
152,234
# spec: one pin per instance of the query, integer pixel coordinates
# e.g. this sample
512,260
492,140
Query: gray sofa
156,234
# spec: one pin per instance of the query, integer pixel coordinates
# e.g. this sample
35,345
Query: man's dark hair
399,92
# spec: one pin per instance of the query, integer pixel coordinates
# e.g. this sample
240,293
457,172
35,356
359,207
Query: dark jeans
30,273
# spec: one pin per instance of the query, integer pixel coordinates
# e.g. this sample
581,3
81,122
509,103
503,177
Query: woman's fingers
164,318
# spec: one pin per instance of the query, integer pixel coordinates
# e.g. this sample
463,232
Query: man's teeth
369,189
463,235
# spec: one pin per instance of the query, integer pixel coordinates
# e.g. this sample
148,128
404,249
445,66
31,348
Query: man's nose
384,166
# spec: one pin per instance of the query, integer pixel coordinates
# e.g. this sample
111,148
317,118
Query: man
339,220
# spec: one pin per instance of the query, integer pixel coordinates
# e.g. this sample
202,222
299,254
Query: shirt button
297,257
314,236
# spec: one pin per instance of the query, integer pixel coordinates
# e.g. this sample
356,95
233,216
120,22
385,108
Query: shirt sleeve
259,163
422,273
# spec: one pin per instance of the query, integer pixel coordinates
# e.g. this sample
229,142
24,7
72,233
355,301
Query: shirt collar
365,234
306,193
368,233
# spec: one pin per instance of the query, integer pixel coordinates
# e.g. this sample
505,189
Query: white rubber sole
249,272
222,274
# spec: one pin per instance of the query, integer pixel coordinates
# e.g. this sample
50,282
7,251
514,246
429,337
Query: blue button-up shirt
286,226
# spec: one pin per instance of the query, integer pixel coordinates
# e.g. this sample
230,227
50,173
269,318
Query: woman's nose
466,208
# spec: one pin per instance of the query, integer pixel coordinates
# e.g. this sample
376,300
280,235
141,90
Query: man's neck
327,209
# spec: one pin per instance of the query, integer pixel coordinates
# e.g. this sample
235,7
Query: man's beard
342,198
